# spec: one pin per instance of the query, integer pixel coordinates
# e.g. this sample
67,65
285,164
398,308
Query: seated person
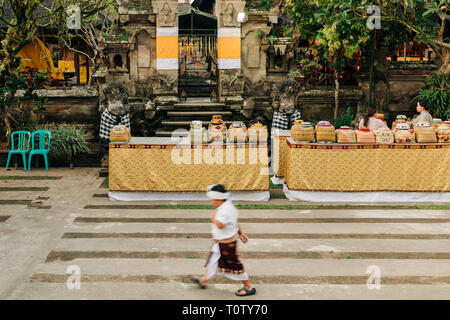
423,107
369,121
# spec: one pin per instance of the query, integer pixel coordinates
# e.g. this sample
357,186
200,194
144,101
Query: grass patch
275,186
105,183
277,196
24,188
309,255
269,206
30,177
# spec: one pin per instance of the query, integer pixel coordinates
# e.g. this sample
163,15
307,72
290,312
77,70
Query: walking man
225,230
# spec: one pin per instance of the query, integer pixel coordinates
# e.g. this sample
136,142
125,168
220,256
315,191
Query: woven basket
325,132
425,134
302,132
384,136
346,135
404,136
443,134
258,133
365,136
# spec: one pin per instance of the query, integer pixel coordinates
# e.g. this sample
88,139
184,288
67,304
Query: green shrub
67,141
438,94
345,119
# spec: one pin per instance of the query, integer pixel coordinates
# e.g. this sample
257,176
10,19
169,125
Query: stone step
279,228
225,291
272,267
185,124
164,132
264,214
266,246
204,104
192,114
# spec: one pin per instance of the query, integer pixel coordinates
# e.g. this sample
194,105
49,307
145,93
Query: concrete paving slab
243,213
409,228
270,267
260,245
182,291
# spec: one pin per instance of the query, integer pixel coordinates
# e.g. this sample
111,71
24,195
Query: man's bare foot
200,281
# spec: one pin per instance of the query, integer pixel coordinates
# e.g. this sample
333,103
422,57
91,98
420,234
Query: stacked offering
384,136
237,132
346,135
425,133
404,134
217,129
119,133
258,133
364,135
399,119
443,132
325,132
197,134
302,131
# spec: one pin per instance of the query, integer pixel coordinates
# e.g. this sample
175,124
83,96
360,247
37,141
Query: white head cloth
216,195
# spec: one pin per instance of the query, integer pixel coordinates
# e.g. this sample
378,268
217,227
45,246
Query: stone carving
116,112
117,98
286,92
233,84
228,15
166,16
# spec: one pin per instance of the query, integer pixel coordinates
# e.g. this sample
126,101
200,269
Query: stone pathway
132,252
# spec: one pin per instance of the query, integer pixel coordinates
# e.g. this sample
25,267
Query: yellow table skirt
366,168
279,151
168,168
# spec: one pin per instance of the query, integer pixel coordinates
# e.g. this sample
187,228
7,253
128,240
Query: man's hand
213,216
243,238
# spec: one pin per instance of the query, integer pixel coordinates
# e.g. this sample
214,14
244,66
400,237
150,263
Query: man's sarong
224,260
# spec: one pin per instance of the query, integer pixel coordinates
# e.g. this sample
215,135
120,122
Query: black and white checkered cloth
285,121
108,121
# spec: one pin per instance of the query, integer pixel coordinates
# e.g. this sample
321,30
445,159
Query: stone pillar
231,78
166,47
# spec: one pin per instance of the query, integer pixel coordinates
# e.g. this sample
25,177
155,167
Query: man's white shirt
227,214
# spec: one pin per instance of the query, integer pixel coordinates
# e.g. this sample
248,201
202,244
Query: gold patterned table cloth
279,151
156,165
368,167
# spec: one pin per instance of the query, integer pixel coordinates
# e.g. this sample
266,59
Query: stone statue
284,104
116,111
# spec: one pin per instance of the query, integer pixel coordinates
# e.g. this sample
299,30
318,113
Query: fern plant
438,94
67,142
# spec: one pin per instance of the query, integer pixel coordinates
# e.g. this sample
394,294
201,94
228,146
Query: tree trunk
336,94
445,67
8,130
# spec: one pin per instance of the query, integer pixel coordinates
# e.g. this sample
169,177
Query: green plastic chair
22,147
42,149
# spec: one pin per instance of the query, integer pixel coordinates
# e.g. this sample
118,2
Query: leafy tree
424,20
334,29
23,21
